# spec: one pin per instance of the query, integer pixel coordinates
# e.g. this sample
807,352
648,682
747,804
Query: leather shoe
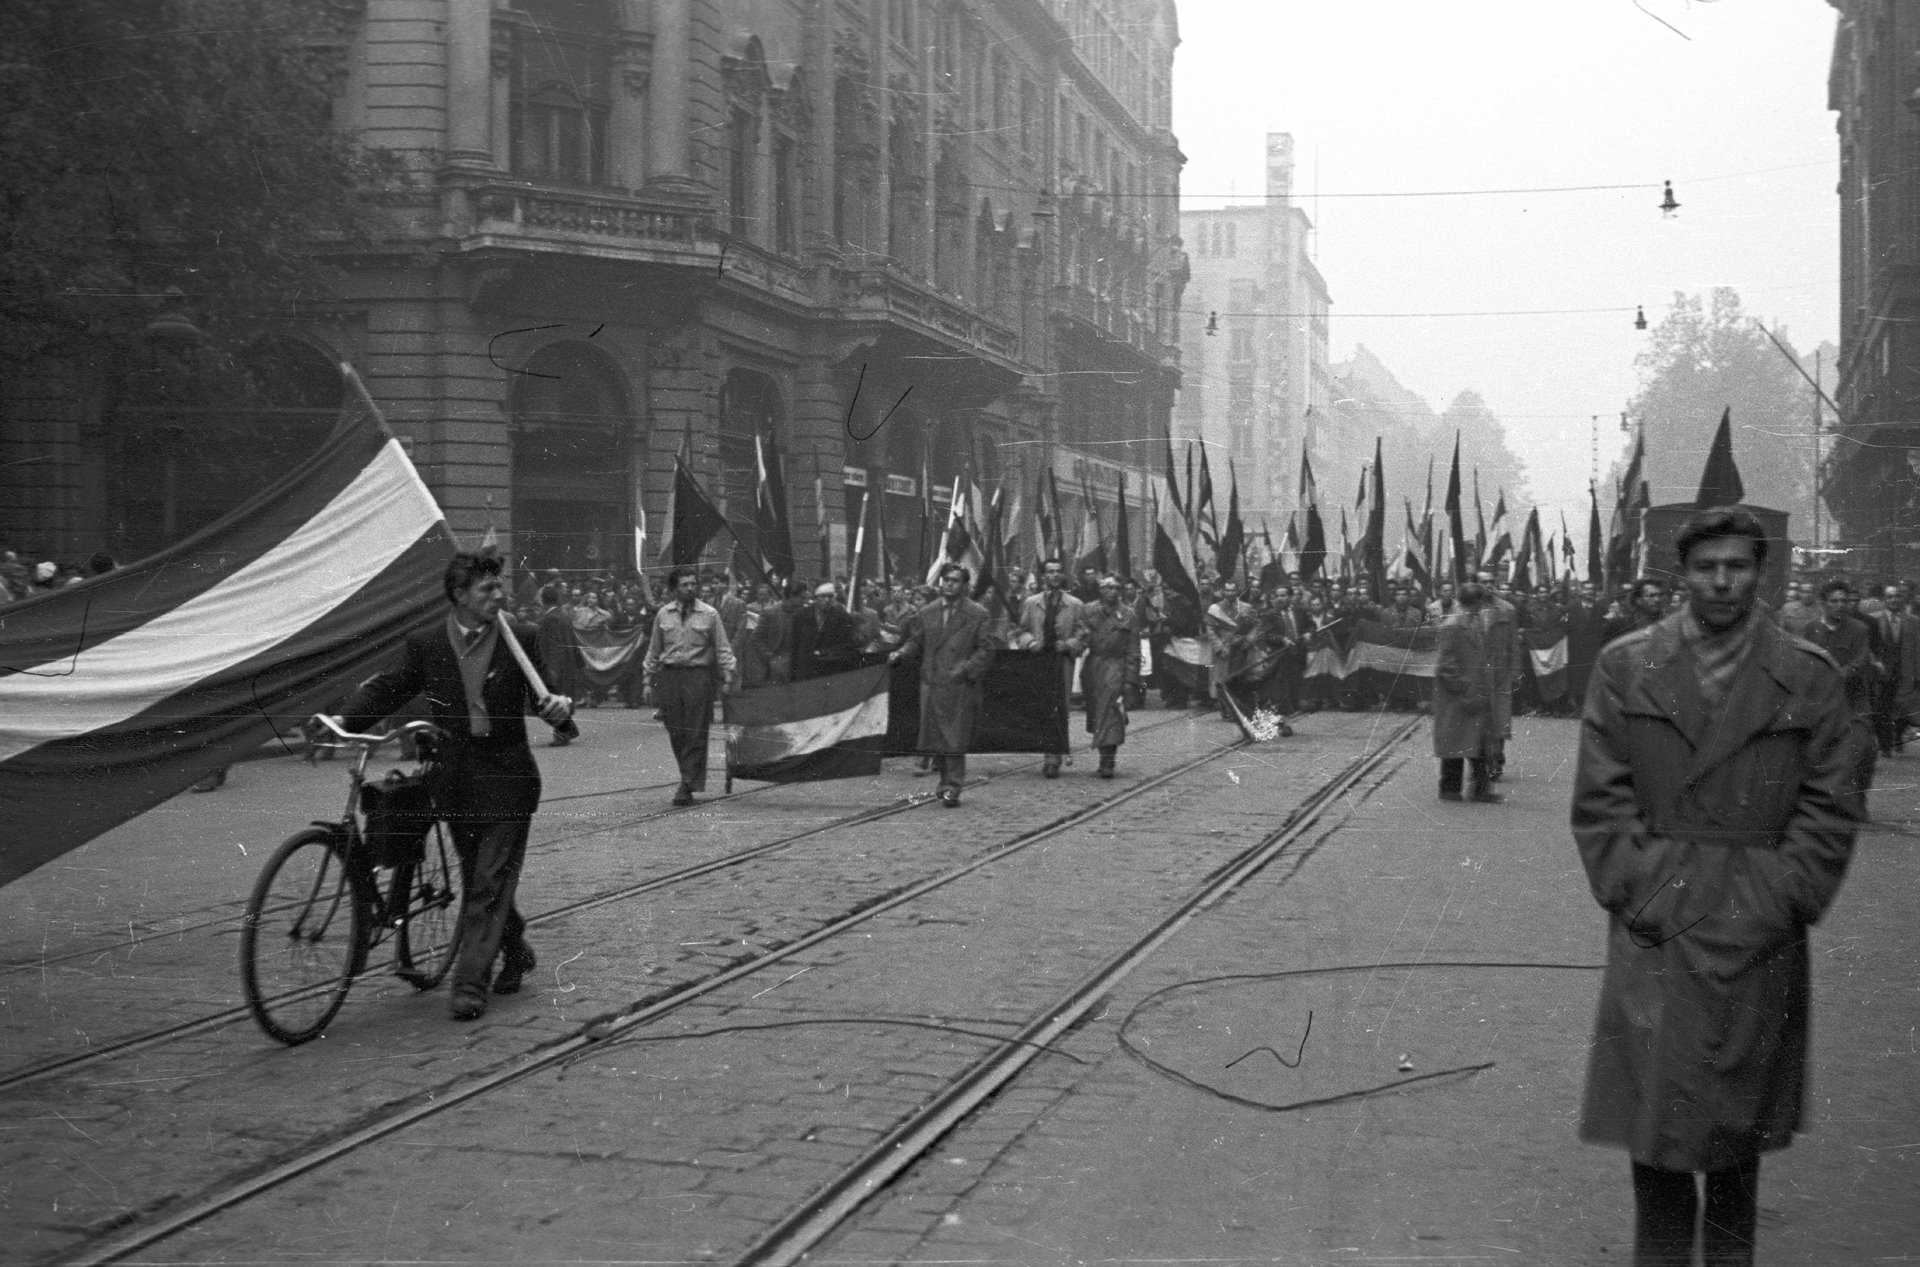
1105,772
1050,768
1452,796
518,962
950,798
684,796
469,1003
1489,798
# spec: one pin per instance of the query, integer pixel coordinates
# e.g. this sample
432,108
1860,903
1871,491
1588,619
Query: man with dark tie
688,662
1054,622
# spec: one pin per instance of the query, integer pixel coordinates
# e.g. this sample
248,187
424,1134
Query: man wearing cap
688,662
1053,622
1112,671
822,639
952,638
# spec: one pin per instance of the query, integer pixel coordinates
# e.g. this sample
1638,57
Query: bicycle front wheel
304,937
427,894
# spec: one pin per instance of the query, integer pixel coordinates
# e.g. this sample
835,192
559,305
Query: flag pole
567,729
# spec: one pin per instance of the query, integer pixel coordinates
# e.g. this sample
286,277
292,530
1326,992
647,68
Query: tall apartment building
1255,381
1870,479
885,237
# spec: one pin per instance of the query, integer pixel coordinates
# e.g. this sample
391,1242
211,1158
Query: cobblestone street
1448,949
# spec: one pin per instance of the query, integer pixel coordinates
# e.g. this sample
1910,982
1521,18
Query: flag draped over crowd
118,693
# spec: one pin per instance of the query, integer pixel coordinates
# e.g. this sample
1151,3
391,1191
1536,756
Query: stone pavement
683,1141
1200,1159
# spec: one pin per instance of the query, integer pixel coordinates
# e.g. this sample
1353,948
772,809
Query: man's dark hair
1056,559
550,595
101,563
464,570
1648,583
966,575
679,570
1833,586
1721,521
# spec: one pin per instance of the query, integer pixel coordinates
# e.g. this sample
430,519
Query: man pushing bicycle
484,780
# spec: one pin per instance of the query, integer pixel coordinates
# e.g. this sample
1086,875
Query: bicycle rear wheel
427,894
304,937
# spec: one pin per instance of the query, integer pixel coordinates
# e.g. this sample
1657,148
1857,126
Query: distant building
897,240
1255,379
1870,480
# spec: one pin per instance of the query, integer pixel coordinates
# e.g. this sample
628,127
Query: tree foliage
153,145
1708,356
1483,447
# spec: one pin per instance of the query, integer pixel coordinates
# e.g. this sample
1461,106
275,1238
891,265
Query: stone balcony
580,222
882,292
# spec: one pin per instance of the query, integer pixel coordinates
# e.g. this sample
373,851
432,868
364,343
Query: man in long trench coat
1469,678
953,639
1113,670
1714,812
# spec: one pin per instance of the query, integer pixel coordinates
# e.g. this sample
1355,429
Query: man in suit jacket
1896,629
822,639
1844,636
953,639
1713,812
485,781
1054,623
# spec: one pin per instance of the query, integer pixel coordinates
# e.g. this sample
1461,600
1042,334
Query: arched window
570,483
561,90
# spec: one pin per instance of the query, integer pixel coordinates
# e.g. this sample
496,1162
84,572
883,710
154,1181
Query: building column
627,125
470,82
668,92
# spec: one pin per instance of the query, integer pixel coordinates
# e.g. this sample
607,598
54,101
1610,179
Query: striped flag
832,727
119,693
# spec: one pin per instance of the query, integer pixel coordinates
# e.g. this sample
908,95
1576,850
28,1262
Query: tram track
163,1035
991,1072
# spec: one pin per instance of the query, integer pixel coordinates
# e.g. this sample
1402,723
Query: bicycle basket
399,813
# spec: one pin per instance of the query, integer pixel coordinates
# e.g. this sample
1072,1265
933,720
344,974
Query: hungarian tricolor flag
832,727
119,693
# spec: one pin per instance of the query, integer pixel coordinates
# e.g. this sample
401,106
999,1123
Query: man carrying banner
486,785
1112,671
953,639
689,661
822,638
1054,622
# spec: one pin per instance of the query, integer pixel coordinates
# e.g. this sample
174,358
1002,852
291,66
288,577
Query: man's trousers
685,700
490,858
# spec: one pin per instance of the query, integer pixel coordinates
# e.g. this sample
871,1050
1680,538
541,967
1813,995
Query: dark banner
1024,706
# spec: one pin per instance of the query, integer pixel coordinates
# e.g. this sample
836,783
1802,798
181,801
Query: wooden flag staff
566,729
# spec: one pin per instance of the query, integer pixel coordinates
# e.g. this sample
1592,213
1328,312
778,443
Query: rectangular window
559,106
740,148
1029,114
786,234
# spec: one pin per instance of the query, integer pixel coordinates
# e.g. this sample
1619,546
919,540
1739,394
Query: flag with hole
830,727
119,693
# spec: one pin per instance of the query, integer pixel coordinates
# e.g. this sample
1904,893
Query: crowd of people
26,576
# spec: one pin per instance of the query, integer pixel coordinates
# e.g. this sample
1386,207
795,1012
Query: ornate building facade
1256,382
896,241
1871,475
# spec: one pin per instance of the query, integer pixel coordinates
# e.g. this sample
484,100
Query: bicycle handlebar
375,741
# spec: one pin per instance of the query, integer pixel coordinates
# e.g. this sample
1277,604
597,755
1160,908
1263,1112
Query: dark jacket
1712,838
488,779
822,642
1469,676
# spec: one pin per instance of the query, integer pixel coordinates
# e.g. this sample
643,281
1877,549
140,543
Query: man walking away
1112,672
1469,671
952,638
1713,811
487,784
688,663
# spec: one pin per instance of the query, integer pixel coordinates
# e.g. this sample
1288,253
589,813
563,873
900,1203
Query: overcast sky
1728,102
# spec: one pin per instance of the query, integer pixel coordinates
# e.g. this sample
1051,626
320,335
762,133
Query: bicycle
320,904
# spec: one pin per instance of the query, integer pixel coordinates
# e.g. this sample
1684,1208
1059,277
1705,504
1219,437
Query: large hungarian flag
1173,554
832,727
119,693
